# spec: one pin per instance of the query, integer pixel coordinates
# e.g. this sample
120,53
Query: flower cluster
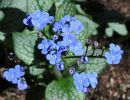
114,55
64,39
83,81
38,19
15,75
68,25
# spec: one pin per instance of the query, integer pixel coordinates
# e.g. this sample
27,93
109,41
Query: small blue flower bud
84,59
71,71
55,37
95,44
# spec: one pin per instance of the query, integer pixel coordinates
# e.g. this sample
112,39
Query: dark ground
114,82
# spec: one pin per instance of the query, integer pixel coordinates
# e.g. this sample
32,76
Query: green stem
57,74
93,52
103,51
86,50
72,57
67,57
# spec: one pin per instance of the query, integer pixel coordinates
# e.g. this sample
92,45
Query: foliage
63,90
116,27
34,45
24,44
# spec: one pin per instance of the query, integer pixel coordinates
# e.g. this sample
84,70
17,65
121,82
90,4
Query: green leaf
64,7
109,32
89,28
63,89
2,36
44,5
94,65
119,28
27,5
19,4
1,15
35,71
24,45
80,10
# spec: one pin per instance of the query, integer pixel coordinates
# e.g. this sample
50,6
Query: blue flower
113,58
66,31
77,48
114,55
27,21
92,77
71,71
115,48
61,46
80,81
46,46
69,39
67,25
10,75
60,66
66,19
57,27
86,90
76,26
22,85
53,57
19,71
38,19
84,59
55,37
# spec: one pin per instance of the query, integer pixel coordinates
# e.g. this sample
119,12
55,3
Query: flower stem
57,74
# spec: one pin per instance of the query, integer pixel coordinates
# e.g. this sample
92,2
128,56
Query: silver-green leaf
1,15
27,5
2,36
36,71
24,44
64,7
118,28
63,89
94,65
109,32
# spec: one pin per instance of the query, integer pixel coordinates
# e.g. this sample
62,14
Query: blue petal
117,61
76,76
44,51
79,88
6,73
85,83
93,85
25,21
11,70
14,80
109,61
49,57
40,46
52,62
17,67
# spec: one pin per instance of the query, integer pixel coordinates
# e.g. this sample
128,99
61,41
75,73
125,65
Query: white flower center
69,41
54,56
46,46
12,76
113,57
80,81
76,48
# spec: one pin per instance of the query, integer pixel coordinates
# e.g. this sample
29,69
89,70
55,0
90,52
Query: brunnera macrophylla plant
66,55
